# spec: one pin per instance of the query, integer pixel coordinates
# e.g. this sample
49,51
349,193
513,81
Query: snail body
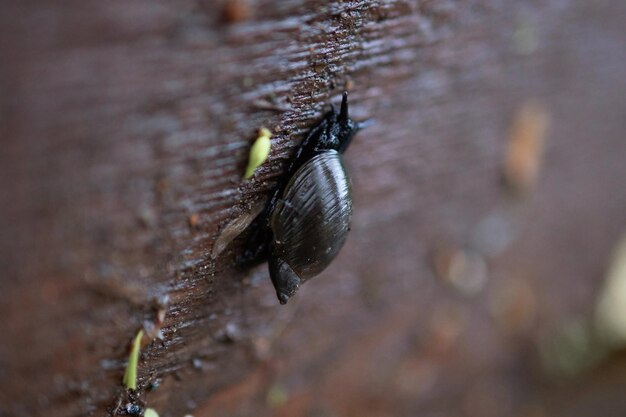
309,216
306,221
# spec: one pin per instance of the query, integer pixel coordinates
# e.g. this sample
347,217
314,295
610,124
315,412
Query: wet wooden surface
125,129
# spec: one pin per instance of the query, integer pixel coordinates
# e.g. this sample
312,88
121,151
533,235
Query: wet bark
125,129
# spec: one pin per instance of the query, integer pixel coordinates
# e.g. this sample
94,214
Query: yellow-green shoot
259,152
150,412
130,376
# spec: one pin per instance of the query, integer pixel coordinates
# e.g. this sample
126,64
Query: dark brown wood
125,129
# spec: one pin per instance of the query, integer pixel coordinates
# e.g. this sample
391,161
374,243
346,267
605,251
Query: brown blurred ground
125,129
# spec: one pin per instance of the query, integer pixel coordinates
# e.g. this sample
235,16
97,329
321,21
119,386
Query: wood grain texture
121,120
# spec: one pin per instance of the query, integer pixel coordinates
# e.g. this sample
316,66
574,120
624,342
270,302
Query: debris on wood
234,228
229,334
155,384
197,363
147,217
161,308
132,409
153,328
513,305
235,11
525,147
271,103
461,269
193,220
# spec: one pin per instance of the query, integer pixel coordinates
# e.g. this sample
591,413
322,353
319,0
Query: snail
306,221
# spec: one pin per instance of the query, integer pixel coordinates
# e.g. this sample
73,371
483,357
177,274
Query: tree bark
125,131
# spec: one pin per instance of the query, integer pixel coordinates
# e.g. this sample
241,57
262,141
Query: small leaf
130,376
259,152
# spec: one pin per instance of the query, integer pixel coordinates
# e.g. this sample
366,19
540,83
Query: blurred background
485,272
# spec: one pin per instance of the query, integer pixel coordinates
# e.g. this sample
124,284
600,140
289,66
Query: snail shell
312,219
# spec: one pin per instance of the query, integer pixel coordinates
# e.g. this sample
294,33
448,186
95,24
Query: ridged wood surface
125,128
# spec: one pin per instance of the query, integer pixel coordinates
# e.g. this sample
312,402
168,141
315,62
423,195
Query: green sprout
259,152
130,376
150,412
